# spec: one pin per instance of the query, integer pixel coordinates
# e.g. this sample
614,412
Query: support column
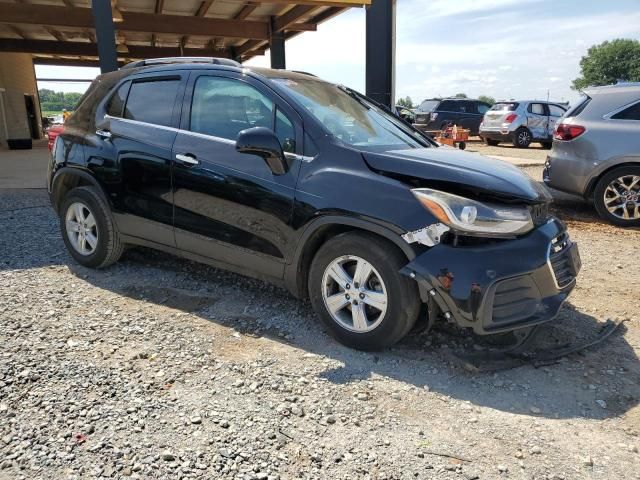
276,46
105,35
380,51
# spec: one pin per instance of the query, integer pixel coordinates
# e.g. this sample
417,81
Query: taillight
510,118
567,132
433,116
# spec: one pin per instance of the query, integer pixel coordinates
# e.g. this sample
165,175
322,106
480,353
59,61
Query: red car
53,133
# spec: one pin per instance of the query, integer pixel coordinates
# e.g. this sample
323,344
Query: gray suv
521,123
596,152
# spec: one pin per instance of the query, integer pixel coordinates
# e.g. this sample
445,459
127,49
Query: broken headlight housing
475,218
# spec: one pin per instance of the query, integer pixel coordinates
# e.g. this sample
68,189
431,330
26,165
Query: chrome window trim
289,155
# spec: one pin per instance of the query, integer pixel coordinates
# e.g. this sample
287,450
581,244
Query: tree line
51,101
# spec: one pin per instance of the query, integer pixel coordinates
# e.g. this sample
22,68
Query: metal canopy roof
61,32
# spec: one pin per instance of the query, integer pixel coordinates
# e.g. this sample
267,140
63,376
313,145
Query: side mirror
263,142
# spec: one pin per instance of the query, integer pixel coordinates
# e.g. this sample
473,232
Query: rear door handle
187,159
103,133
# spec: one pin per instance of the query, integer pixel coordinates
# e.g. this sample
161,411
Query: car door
537,120
555,113
130,153
229,206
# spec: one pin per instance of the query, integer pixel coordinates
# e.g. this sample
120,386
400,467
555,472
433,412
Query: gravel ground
163,368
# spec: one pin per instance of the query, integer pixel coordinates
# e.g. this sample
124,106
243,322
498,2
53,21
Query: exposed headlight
473,217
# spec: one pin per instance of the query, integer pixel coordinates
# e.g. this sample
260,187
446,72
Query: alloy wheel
622,197
354,293
81,227
524,137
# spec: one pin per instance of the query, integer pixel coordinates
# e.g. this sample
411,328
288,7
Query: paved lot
163,368
24,168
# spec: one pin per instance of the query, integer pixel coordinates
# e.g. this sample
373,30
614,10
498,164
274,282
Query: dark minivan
436,114
312,186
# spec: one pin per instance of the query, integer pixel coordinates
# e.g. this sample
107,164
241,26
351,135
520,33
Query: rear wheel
357,291
522,138
88,230
546,145
491,142
617,196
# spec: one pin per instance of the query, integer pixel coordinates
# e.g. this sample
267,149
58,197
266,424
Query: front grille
539,213
560,260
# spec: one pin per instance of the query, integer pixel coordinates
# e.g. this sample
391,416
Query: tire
604,189
491,143
80,202
546,145
522,138
383,328
462,145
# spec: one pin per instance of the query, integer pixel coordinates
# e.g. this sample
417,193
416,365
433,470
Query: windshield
351,118
428,106
504,107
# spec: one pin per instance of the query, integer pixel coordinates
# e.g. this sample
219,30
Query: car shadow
599,382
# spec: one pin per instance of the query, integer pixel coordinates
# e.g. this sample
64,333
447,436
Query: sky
507,49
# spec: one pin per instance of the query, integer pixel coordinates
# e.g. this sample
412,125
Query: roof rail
167,60
304,73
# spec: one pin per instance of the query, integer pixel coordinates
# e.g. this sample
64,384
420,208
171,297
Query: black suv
436,114
312,186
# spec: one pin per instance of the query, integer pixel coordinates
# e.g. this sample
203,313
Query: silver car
596,152
521,123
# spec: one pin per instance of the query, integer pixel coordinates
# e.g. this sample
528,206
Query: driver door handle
187,159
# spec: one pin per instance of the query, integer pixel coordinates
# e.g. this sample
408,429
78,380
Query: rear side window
555,110
580,106
116,104
630,113
537,109
450,106
152,101
483,108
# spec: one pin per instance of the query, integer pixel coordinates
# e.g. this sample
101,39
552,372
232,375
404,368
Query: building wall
17,79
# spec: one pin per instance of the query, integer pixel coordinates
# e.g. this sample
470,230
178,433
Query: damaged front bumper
502,286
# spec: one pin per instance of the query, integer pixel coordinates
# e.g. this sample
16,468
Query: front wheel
617,196
491,143
357,291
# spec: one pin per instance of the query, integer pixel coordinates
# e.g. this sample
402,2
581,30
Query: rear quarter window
629,113
116,102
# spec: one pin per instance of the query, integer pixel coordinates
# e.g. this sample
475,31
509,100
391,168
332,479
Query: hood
467,170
